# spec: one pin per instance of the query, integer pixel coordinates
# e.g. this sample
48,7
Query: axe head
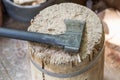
71,39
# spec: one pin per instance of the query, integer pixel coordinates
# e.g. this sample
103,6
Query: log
53,63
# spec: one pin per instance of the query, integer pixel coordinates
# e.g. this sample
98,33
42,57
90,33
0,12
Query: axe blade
73,35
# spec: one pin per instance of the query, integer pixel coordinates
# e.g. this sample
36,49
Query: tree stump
53,63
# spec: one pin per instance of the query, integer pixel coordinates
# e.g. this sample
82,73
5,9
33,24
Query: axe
70,40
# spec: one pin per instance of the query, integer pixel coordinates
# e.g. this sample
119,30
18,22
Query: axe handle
30,36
